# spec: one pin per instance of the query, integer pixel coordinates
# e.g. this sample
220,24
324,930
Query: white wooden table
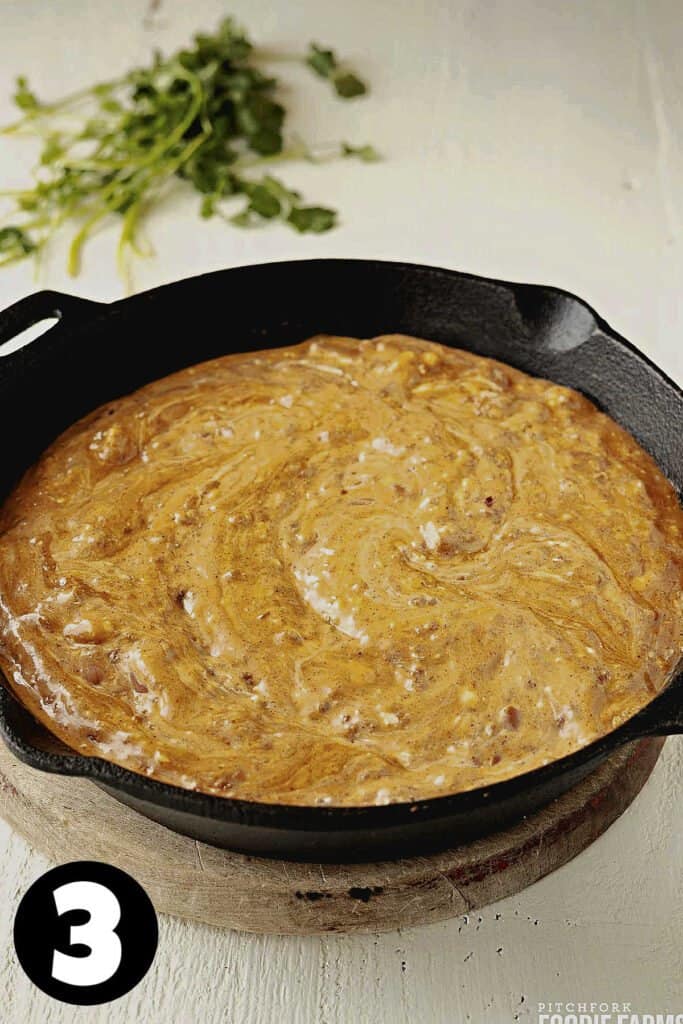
536,140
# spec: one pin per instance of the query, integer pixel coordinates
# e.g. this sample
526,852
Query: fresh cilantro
312,218
208,114
15,242
263,202
368,154
324,63
23,97
270,198
347,86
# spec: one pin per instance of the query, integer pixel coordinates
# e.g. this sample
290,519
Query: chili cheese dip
345,572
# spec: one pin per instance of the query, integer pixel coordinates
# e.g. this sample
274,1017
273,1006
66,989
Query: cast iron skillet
97,352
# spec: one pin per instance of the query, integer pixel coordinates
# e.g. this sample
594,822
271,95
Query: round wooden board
71,819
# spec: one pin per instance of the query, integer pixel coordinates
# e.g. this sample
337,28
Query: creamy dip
345,572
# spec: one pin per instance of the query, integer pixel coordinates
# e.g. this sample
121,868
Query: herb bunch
207,114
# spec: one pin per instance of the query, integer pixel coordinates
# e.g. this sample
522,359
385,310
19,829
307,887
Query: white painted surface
530,139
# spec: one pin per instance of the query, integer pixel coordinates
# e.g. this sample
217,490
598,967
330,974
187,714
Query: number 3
97,934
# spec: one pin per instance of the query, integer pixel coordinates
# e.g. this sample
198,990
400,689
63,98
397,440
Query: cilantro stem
45,109
74,258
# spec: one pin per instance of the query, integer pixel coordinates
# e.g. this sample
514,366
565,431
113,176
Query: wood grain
72,819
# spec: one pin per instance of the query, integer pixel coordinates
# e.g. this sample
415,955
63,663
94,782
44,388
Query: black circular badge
85,933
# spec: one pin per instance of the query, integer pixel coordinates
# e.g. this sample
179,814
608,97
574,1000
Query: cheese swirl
344,572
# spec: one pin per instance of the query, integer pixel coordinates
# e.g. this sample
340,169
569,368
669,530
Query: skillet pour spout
96,352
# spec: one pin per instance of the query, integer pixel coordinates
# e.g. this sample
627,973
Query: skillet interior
98,352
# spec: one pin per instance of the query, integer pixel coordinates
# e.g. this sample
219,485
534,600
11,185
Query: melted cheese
345,572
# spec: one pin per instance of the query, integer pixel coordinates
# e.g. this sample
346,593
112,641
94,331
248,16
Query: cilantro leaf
15,242
23,97
322,61
263,202
314,219
368,154
348,85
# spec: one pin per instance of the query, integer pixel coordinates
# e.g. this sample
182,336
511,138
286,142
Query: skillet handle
663,716
70,310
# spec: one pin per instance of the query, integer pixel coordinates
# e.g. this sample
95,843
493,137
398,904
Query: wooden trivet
71,819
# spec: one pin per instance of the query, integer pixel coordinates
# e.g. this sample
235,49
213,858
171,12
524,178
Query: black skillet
99,351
